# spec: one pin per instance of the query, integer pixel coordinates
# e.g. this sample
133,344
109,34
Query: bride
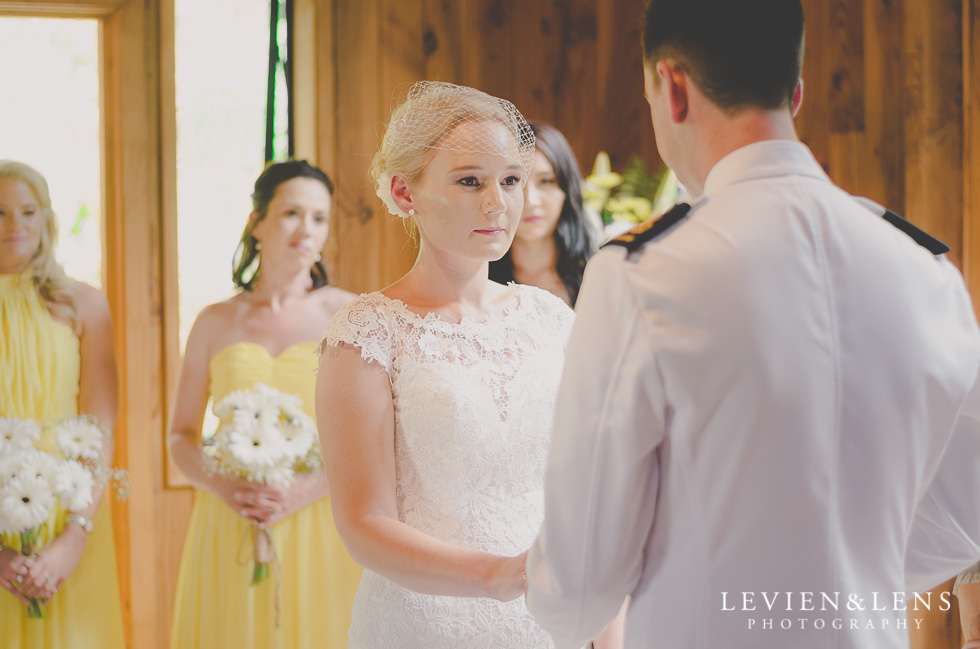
435,395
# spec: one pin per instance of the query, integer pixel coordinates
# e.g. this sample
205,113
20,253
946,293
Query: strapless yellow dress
216,608
39,365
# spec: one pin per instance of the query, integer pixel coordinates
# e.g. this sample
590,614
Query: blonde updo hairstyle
421,124
53,285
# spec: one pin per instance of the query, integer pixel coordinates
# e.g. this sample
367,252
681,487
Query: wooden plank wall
883,105
971,150
882,109
574,63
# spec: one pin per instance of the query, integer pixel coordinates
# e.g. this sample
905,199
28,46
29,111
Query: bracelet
80,521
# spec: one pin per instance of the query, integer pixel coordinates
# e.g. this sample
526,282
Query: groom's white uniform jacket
775,395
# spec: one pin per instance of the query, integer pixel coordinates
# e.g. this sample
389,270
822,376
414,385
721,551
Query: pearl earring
318,257
412,212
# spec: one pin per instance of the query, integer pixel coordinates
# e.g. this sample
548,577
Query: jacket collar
766,159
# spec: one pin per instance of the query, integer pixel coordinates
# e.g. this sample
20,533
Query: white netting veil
428,119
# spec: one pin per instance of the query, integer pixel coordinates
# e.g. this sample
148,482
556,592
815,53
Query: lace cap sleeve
363,323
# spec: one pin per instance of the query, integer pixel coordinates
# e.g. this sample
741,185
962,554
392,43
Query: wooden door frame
130,55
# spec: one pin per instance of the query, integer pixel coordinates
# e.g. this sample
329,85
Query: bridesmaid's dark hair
247,261
575,241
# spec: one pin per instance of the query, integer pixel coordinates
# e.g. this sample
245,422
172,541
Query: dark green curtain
279,96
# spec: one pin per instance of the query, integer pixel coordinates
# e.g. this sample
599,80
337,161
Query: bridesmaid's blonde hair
50,280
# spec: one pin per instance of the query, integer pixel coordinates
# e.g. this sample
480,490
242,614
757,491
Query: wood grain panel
447,46
934,119
576,82
884,88
491,32
168,175
132,159
846,46
360,119
326,88
622,118
325,51
813,120
869,161
63,8
536,48
936,629
304,61
848,160
971,153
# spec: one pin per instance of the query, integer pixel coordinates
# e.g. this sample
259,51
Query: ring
46,576
19,579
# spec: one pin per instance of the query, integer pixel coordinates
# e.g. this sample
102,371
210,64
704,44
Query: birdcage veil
429,115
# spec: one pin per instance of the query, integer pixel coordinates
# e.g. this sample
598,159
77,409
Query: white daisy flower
293,409
255,444
25,503
299,434
263,434
73,485
242,400
19,433
11,465
79,437
38,464
271,403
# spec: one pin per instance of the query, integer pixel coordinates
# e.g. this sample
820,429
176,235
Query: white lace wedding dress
473,413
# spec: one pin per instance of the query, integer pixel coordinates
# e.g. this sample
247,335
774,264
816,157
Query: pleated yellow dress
216,608
39,365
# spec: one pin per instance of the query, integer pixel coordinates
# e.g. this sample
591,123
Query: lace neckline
433,318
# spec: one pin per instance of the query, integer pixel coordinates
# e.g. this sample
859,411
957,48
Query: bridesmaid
268,332
56,359
555,237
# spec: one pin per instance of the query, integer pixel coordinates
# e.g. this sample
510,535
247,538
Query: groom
768,433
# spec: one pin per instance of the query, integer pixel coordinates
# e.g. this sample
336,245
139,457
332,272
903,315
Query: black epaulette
650,230
927,241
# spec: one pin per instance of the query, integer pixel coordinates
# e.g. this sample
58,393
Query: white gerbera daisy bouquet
265,437
46,473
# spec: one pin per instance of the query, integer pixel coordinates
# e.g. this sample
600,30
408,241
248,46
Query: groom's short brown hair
740,53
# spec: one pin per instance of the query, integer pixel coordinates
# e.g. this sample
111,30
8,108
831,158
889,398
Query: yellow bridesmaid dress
216,608
39,365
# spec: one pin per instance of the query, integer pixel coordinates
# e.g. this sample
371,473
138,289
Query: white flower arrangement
18,434
25,503
45,474
384,193
79,438
265,437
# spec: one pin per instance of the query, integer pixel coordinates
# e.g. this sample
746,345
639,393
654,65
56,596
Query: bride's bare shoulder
332,298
